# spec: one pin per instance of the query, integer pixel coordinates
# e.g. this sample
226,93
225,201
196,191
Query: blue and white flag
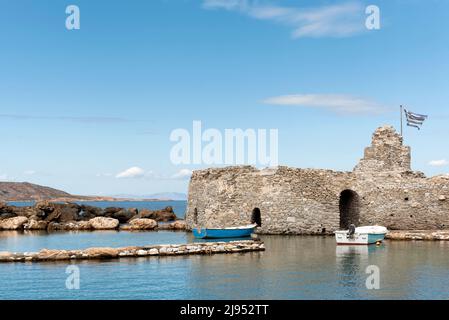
414,119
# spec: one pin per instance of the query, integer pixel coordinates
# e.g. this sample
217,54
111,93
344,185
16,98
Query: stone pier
130,252
430,235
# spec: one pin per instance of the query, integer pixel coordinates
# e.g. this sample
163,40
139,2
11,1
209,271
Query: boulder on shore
47,215
13,223
104,223
123,215
140,224
179,225
71,225
89,212
35,225
176,225
163,215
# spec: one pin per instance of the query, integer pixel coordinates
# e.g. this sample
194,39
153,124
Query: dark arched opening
256,217
195,215
349,209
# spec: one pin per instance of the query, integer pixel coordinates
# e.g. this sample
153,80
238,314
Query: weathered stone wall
406,202
290,200
382,190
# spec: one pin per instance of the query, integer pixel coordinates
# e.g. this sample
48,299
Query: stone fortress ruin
382,189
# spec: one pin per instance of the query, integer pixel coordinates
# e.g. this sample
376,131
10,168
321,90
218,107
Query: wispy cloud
343,104
438,163
82,119
29,172
338,20
133,172
182,174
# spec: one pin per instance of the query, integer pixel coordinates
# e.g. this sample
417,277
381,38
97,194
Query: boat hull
358,239
204,233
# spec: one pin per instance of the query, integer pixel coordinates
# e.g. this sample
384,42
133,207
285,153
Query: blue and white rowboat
362,235
232,232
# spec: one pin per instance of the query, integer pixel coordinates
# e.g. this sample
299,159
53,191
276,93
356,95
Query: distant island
25,191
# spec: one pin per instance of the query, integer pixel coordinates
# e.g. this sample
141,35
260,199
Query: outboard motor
351,231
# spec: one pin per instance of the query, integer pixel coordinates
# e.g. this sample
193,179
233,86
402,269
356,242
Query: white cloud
182,174
339,103
29,172
133,172
438,163
338,20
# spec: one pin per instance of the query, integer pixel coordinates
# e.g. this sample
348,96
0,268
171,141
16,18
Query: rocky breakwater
430,235
71,216
127,252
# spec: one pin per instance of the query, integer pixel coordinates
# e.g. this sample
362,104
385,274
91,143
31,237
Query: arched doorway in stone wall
195,216
349,208
256,217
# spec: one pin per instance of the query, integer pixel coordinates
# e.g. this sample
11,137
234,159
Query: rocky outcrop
122,215
35,225
15,223
163,215
177,225
89,212
137,252
140,224
103,223
46,215
67,226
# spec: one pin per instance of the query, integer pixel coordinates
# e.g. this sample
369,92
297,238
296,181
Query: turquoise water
179,207
292,267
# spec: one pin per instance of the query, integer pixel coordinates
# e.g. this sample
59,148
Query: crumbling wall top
386,153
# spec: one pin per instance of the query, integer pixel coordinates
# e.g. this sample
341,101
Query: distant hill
23,191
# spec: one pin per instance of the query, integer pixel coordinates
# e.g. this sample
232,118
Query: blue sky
79,107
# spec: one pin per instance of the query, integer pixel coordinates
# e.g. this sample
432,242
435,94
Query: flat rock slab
153,250
432,235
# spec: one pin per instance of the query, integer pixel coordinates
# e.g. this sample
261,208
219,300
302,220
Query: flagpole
401,109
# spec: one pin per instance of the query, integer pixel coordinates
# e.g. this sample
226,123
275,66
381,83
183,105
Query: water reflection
292,267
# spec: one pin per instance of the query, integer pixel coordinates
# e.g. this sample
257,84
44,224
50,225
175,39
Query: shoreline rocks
102,253
45,215
102,223
14,223
140,224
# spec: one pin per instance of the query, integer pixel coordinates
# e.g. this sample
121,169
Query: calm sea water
292,267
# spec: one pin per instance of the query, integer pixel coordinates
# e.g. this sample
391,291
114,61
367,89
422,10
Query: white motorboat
361,235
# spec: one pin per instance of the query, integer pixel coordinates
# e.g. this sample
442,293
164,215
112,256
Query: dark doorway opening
255,217
195,216
349,209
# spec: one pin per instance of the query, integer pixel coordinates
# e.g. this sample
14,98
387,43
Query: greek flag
414,119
